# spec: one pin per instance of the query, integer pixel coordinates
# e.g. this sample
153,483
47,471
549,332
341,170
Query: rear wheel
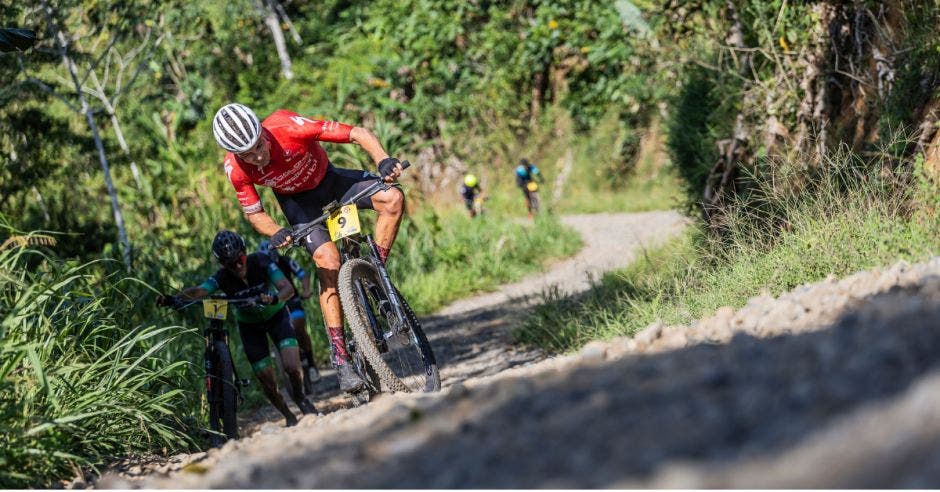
403,362
214,397
534,200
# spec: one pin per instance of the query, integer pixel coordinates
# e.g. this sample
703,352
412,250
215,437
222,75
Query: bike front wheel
227,391
402,361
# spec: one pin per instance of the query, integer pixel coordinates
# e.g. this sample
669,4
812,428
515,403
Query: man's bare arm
369,142
194,293
263,223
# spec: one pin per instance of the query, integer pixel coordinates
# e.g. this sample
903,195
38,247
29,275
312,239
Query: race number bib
343,222
215,308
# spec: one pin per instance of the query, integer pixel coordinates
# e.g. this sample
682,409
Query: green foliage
80,381
692,130
917,71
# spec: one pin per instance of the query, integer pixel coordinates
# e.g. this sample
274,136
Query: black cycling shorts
255,338
338,185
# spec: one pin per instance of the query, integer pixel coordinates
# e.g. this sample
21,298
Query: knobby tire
227,391
351,274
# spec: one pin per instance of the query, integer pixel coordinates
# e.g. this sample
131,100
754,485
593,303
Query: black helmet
524,161
227,246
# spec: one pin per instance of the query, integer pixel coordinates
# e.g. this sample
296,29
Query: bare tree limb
59,35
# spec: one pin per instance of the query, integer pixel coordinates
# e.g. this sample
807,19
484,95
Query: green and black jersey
262,277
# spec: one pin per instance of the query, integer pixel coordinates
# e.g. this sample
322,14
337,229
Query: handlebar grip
405,165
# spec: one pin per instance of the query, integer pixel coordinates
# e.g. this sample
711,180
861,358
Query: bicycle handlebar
181,304
300,231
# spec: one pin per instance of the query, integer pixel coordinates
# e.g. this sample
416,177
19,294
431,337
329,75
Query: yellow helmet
470,180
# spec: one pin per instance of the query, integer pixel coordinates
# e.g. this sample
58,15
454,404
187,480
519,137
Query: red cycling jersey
298,162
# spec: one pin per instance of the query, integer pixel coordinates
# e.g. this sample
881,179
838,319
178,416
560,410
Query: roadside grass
640,194
848,220
80,382
599,183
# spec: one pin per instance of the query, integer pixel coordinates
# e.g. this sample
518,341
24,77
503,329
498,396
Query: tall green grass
448,256
80,383
797,225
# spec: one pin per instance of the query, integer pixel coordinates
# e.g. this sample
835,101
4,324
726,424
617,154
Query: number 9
342,222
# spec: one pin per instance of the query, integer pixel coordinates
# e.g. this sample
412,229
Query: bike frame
216,332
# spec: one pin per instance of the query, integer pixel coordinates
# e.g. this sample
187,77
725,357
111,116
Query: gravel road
834,384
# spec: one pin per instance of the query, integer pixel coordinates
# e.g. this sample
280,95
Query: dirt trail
834,384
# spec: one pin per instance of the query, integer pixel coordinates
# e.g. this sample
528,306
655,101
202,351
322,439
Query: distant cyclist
471,192
244,276
295,305
526,175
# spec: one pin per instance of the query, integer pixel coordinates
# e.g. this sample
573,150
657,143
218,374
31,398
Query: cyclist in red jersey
283,152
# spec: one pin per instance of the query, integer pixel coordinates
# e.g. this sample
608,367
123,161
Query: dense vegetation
761,104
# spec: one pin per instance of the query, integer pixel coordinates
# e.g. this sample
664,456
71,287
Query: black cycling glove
387,166
280,237
164,300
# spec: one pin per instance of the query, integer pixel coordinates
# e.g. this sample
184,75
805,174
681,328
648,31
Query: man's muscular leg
326,257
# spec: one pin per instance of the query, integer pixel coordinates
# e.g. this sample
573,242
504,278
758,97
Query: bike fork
387,284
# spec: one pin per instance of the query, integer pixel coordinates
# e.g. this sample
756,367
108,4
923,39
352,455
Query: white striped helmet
236,127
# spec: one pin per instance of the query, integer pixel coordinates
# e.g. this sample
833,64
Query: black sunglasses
234,262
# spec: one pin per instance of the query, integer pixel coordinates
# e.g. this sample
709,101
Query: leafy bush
80,383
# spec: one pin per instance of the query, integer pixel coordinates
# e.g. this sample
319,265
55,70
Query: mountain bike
388,346
223,386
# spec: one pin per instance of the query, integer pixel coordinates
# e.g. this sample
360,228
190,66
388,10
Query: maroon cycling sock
383,254
338,341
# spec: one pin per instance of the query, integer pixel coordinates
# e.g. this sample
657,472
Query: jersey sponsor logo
300,120
228,169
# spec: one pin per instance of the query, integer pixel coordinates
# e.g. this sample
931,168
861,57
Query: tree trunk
99,145
274,25
135,171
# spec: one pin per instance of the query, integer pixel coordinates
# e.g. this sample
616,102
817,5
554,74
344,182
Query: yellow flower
585,49
783,44
552,24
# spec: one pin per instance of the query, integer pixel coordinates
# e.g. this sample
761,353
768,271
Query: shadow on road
478,342
706,404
